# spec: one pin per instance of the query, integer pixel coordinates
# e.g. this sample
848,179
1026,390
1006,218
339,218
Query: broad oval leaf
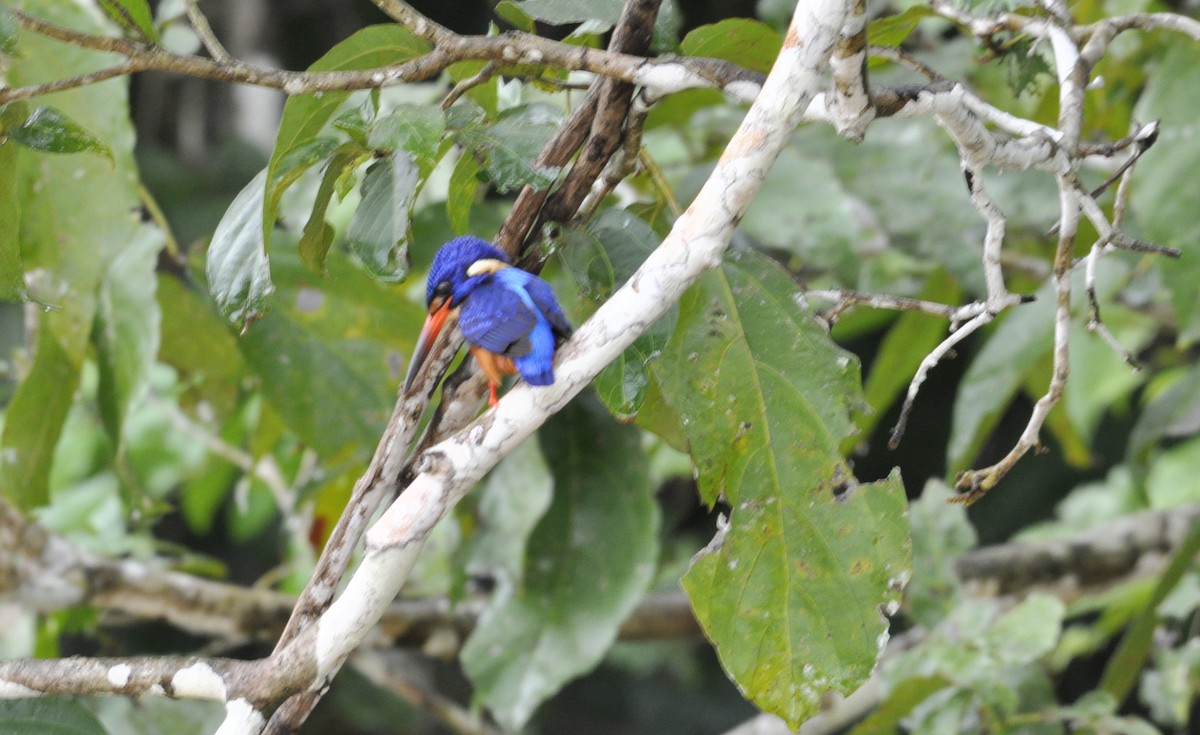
50,131
305,115
588,562
239,275
791,594
564,12
464,184
415,128
378,231
47,716
749,43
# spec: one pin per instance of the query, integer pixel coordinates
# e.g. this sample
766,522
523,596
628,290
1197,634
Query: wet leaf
50,131
239,275
47,716
587,563
765,398
415,128
509,148
378,231
748,43
304,116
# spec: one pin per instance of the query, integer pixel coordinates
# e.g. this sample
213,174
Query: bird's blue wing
497,318
547,303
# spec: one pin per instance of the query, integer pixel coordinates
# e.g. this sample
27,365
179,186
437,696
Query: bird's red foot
492,399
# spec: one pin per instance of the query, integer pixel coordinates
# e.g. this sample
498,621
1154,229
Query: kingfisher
510,318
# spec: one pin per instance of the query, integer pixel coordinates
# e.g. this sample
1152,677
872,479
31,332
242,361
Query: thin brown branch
205,32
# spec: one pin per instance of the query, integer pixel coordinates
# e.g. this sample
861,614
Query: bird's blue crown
453,259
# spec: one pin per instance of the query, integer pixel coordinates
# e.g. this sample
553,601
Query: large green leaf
305,115
791,595
239,274
9,30
745,42
197,343
509,148
1163,215
464,183
378,232
602,256
127,327
587,563
415,128
47,716
317,235
325,402
34,421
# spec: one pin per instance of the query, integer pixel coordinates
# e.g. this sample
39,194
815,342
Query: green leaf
564,12
892,30
1121,672
239,275
509,148
132,15
1165,217
748,43
1174,413
318,234
792,594
327,404
47,716
9,31
34,421
464,183
297,161
12,275
50,131
587,564
512,501
885,720
1027,632
602,256
415,128
127,328
305,115
511,13
196,342
941,533
378,231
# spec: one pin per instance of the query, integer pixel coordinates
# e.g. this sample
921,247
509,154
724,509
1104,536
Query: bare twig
205,32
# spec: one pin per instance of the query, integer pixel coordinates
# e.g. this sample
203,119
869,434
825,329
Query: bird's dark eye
442,289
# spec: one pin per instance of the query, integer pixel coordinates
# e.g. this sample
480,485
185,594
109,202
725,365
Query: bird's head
458,267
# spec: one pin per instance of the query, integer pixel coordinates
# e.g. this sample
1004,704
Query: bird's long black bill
433,327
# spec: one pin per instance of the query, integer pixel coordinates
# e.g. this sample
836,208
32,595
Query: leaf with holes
792,593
